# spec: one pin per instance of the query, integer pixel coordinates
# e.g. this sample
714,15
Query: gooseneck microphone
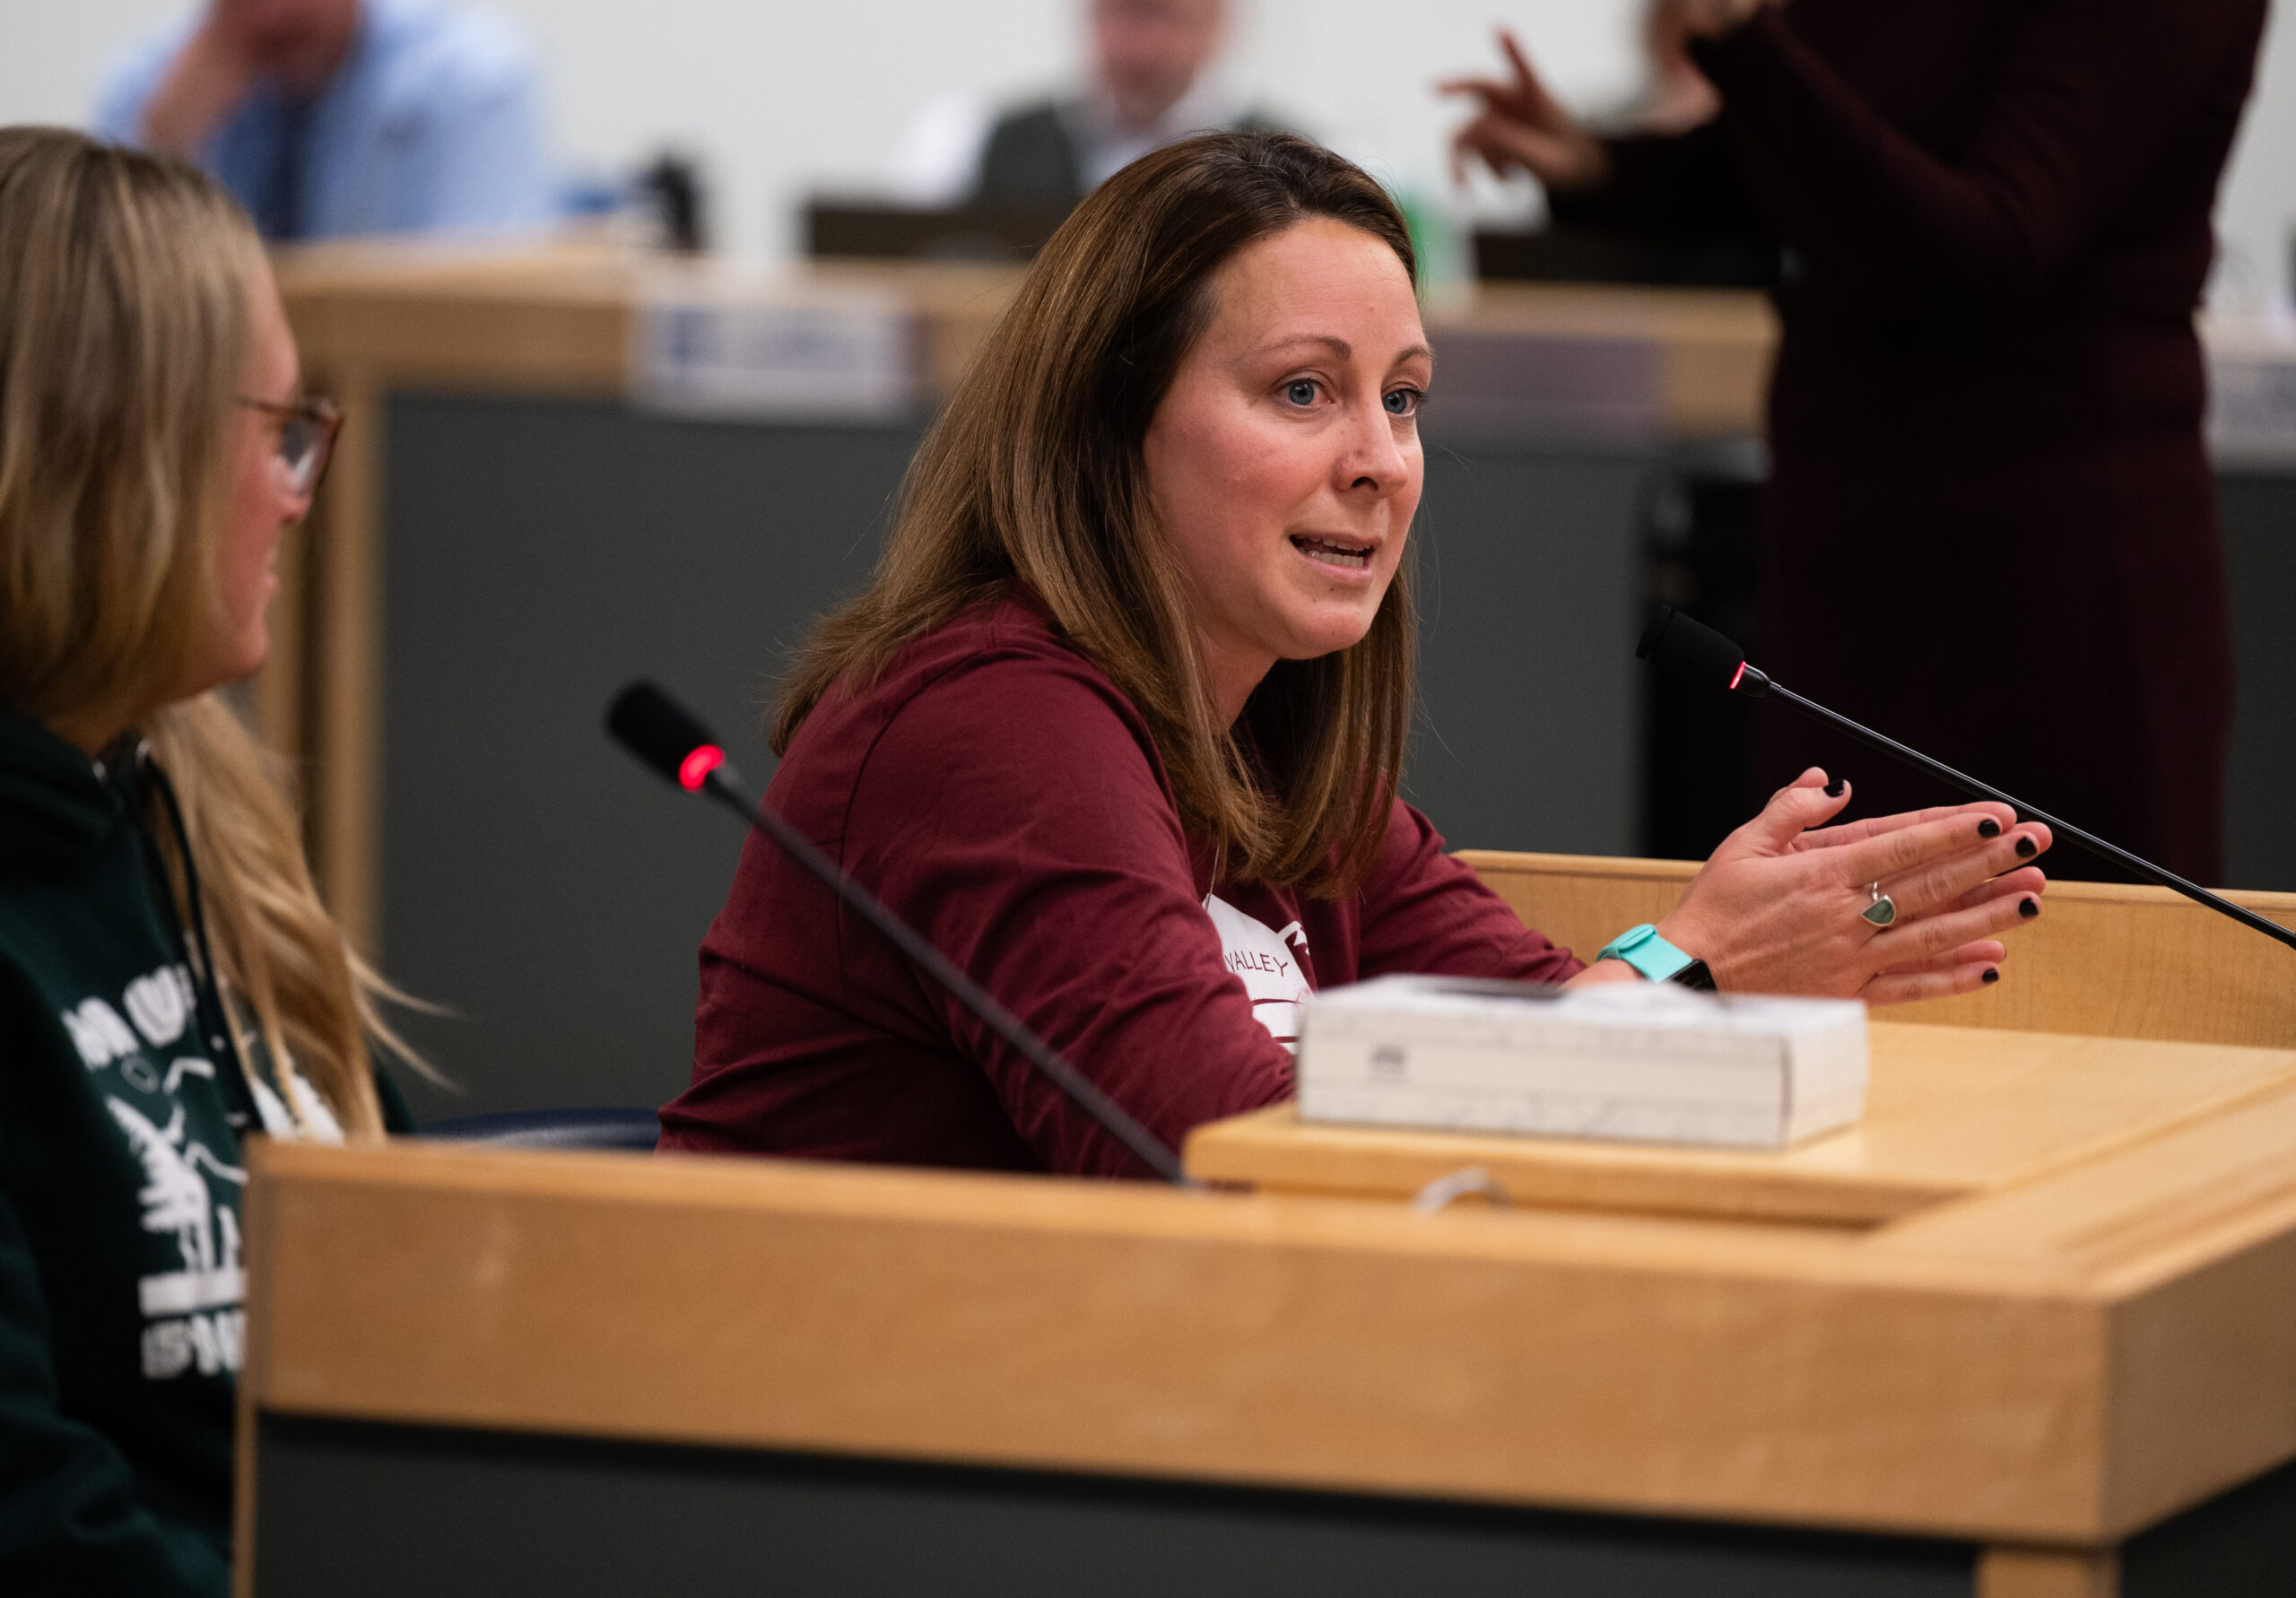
1690,648
658,730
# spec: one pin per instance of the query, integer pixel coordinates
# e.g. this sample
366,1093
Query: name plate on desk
1643,1062
723,350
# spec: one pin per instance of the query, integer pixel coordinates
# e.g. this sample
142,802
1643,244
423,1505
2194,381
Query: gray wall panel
1531,584
537,556
2259,515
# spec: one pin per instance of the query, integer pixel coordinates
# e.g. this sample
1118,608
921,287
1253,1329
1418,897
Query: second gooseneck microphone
662,734
1690,648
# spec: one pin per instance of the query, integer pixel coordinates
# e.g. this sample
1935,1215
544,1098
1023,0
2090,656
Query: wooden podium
2029,1330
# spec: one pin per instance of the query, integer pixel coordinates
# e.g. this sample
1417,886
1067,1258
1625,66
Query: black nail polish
2029,908
1833,789
1989,828
1991,975
2027,849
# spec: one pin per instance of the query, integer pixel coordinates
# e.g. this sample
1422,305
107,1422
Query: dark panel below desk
345,1509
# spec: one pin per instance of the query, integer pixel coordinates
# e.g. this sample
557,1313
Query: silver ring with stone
1882,911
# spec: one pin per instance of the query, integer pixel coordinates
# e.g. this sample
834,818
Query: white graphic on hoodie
161,1004
194,1314
98,1033
1265,962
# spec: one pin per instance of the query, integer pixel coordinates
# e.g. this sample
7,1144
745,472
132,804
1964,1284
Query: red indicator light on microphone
695,768
1736,677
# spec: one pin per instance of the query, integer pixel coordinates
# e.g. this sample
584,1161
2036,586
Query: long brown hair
128,288
1034,473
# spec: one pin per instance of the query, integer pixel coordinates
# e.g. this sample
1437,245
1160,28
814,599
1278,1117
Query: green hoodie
122,1109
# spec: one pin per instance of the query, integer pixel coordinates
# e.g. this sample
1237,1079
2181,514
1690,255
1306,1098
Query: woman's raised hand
1780,908
1522,127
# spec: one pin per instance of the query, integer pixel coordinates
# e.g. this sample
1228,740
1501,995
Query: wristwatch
1643,947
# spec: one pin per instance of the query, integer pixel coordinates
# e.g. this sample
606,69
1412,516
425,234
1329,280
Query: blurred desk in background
564,469
878,230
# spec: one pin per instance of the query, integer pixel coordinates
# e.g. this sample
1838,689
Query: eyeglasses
306,432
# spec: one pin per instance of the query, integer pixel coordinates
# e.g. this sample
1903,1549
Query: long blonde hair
126,309
1034,473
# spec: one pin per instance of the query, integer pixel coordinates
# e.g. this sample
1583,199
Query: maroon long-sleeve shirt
999,793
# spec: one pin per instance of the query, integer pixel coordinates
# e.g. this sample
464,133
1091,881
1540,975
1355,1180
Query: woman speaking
1119,723
168,981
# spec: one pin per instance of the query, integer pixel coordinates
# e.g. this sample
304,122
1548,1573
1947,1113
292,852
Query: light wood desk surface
2060,1062
1950,1111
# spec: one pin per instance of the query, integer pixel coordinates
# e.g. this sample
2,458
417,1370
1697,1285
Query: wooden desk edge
1133,1324
1272,1149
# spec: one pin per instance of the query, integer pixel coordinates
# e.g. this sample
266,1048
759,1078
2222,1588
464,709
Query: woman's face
1284,464
264,501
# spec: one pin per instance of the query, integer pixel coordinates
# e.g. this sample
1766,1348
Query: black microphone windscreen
657,729
1676,643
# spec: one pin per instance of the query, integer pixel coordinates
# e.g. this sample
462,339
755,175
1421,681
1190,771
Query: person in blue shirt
330,118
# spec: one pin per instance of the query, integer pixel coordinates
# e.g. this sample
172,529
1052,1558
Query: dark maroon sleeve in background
1682,186
2080,109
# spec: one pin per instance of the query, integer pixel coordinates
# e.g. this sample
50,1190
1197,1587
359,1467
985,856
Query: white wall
2256,210
778,98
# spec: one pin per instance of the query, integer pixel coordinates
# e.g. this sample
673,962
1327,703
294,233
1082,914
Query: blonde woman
168,980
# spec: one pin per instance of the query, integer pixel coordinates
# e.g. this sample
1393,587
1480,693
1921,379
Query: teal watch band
1643,947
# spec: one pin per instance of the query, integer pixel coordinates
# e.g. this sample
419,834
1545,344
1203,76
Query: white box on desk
1646,1061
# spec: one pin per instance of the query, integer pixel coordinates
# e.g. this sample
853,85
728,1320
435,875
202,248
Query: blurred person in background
1990,526
1150,82
330,118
